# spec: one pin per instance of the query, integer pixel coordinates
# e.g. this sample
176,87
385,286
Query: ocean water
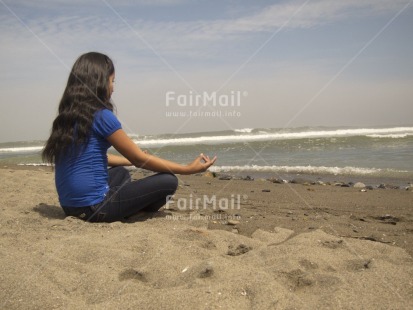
270,152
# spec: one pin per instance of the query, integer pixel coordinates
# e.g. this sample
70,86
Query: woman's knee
170,180
167,180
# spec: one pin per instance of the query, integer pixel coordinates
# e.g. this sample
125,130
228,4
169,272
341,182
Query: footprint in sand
238,250
132,274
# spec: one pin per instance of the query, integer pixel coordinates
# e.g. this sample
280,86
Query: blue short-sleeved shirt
83,180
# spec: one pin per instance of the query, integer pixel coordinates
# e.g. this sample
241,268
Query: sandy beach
220,244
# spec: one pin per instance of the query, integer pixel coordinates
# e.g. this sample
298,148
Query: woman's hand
200,164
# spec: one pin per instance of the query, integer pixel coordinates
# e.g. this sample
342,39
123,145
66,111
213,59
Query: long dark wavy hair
86,92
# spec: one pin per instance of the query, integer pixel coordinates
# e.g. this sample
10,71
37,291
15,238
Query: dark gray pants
126,198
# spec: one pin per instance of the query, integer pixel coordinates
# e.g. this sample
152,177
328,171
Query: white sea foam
36,164
21,149
390,136
244,130
301,169
248,136
274,136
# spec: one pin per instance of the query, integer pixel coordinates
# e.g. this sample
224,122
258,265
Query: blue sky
301,63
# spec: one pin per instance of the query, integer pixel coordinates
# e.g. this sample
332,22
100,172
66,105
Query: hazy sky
284,63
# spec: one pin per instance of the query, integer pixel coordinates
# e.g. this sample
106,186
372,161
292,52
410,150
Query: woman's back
82,179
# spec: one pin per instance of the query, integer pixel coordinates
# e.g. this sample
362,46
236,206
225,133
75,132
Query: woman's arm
114,160
124,145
